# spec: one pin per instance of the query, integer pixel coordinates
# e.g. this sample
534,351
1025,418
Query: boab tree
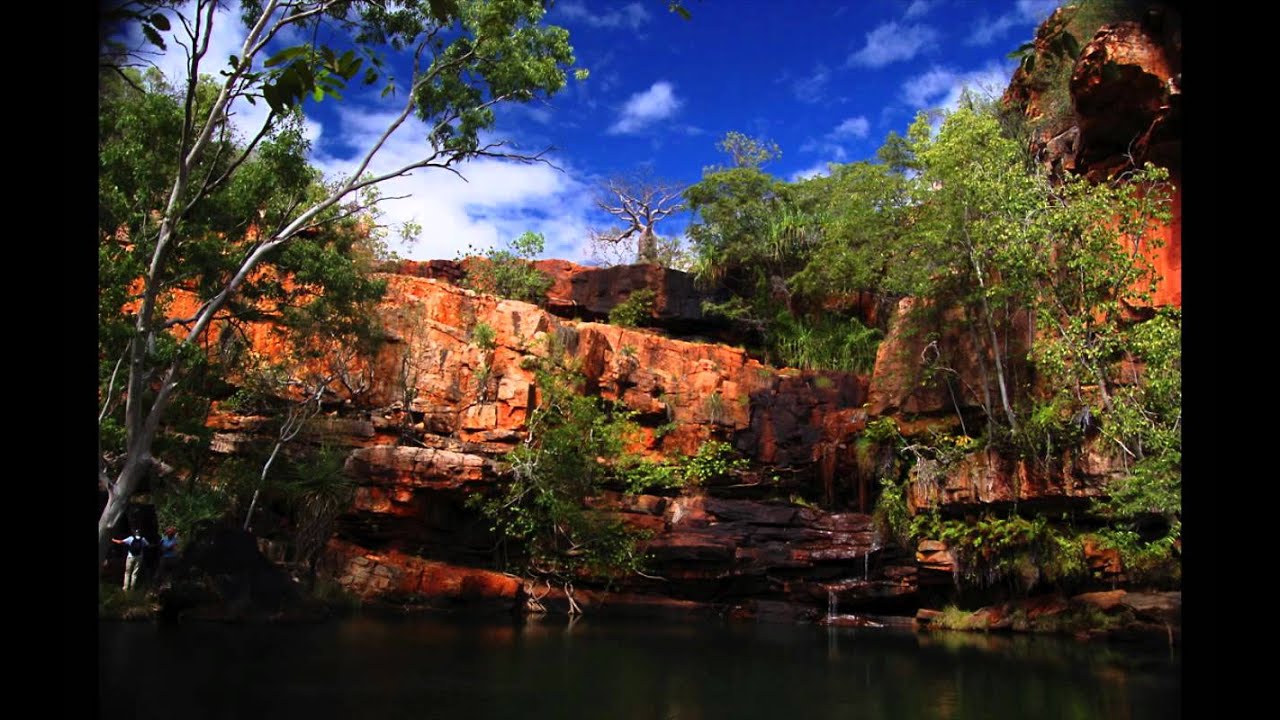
638,202
197,209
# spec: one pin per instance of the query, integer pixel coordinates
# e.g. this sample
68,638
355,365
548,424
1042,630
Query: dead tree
638,203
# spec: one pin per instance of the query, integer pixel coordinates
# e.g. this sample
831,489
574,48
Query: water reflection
548,668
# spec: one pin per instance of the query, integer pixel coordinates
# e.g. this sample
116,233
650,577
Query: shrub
635,311
509,273
484,336
714,460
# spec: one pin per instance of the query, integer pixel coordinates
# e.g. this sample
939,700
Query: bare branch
106,403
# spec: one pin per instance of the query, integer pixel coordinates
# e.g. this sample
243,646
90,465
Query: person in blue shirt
168,553
135,544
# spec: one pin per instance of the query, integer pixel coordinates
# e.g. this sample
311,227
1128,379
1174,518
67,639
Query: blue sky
825,80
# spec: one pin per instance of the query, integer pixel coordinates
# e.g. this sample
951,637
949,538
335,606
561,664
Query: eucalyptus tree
199,209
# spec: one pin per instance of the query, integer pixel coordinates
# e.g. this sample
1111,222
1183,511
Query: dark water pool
374,668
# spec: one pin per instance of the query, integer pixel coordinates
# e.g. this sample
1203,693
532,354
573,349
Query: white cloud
892,42
1026,12
645,108
918,8
821,169
855,127
1036,10
831,145
825,147
501,200
941,87
987,31
496,202
631,15
813,88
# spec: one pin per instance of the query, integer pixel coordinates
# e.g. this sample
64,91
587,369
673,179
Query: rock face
987,478
589,293
450,408
1125,91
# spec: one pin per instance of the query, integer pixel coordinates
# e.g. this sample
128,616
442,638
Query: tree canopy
201,223
1046,278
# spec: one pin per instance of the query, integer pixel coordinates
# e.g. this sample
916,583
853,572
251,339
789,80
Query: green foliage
648,476
891,515
635,311
882,430
509,273
953,618
748,152
1022,552
115,603
714,460
1149,558
797,499
184,203
1047,430
826,342
318,491
736,206
186,506
714,406
317,290
484,336
573,441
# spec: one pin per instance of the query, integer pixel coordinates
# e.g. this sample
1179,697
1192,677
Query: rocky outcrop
707,556
1125,96
928,366
450,405
582,292
439,387
396,577
988,478
591,292
1126,91
1116,613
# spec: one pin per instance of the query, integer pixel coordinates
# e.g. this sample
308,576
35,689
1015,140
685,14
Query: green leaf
285,55
153,37
160,22
318,93
271,93
443,10
349,71
1022,49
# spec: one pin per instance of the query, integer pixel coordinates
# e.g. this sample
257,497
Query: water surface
446,668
